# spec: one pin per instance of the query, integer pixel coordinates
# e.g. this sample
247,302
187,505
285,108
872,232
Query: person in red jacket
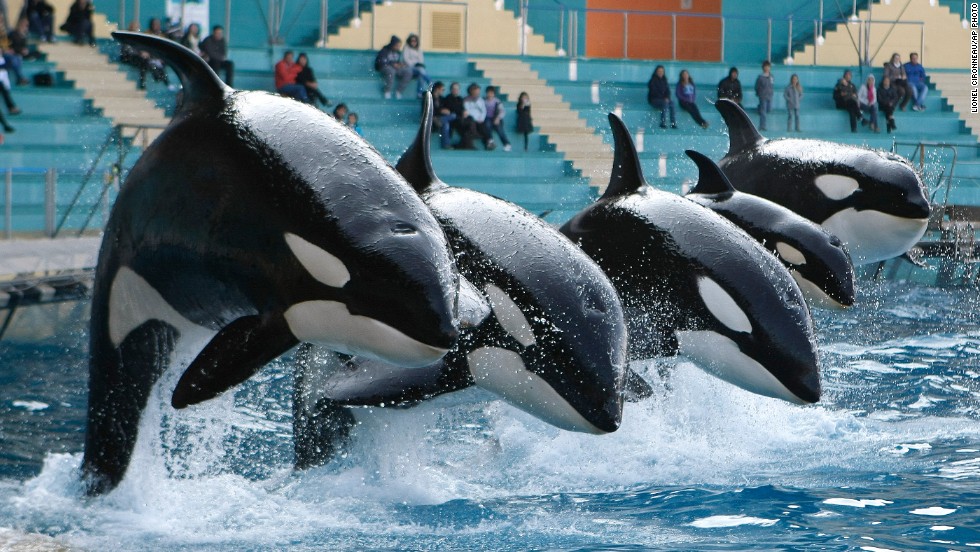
286,71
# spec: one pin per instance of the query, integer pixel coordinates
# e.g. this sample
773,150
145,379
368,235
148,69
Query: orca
252,223
544,328
814,257
874,201
694,283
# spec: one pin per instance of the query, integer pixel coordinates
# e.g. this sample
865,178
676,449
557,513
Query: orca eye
403,229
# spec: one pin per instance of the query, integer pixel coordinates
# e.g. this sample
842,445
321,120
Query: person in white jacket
413,57
868,100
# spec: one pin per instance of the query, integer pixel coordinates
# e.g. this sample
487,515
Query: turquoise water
889,460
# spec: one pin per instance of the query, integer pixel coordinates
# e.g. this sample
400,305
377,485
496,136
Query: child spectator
340,113
846,98
764,86
286,72
413,58
868,100
495,117
793,95
524,124
352,120
389,63
658,96
730,87
895,72
916,75
214,50
687,97
887,100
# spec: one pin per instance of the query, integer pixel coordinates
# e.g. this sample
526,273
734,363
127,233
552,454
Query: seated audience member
413,58
5,89
79,22
340,113
442,116
13,47
286,72
658,96
687,97
846,98
389,63
352,122
916,75
495,116
730,87
214,50
476,113
192,38
307,80
887,100
868,100
40,19
895,72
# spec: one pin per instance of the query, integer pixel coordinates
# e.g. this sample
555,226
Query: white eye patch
790,254
836,186
509,315
722,306
323,266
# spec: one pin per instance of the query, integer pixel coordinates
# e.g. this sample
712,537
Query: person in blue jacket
916,75
687,97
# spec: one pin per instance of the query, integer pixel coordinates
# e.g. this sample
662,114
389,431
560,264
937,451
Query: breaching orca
873,201
551,340
694,283
252,223
817,259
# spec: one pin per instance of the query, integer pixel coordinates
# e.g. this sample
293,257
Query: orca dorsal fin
710,178
415,165
742,133
201,84
627,175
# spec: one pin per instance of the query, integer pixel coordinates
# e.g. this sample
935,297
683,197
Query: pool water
889,460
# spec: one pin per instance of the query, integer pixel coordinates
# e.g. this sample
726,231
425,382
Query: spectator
846,98
340,113
307,80
524,124
389,63
214,50
40,18
413,57
192,38
916,75
495,116
13,52
352,122
5,90
687,97
463,125
895,71
155,27
793,95
476,114
19,41
658,96
79,22
286,72
730,87
887,100
442,117
868,100
764,86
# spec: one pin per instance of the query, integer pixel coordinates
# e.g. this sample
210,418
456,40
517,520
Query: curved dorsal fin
627,175
742,133
710,178
415,165
201,84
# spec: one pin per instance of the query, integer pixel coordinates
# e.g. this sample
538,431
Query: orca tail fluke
710,178
416,163
627,174
742,133
201,84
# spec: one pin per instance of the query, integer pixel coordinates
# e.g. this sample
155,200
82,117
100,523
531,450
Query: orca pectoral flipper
233,356
636,388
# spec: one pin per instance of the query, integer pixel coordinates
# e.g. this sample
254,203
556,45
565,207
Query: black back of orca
874,201
693,282
817,260
552,340
253,222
